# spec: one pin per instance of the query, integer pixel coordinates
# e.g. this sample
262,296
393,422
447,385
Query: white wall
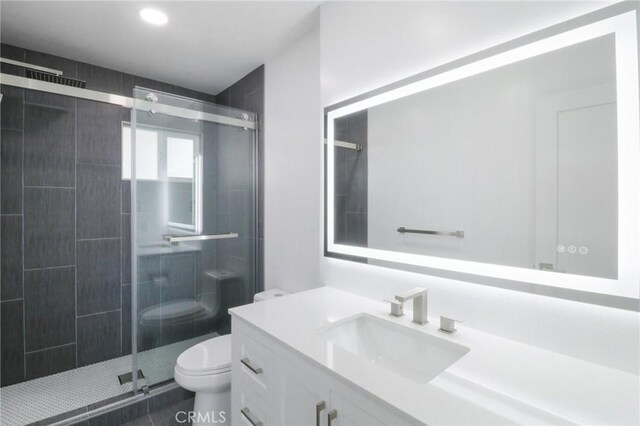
363,46
292,203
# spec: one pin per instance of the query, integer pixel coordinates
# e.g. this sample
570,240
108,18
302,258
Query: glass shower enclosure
102,282
193,225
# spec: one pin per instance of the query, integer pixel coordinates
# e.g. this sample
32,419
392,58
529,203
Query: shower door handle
174,239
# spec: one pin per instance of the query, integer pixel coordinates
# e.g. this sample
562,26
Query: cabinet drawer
255,365
252,410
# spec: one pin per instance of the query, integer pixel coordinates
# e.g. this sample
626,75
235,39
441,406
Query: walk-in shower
129,228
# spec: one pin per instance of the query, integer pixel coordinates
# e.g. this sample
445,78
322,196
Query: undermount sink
410,353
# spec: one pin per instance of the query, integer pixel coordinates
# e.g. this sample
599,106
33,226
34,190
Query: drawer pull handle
333,414
320,406
251,366
252,419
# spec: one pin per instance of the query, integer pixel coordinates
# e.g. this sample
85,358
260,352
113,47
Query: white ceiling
206,45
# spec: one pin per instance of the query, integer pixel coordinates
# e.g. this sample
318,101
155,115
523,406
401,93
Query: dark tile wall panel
15,53
50,307
350,173
98,276
99,337
11,171
11,342
49,230
99,133
102,79
58,153
49,146
50,361
12,107
248,94
11,273
98,201
126,196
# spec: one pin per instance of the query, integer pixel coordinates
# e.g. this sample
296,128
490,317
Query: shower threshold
86,387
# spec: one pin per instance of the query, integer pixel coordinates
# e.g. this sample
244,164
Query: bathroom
319,213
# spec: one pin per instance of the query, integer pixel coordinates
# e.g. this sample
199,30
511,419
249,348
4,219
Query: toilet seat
176,310
210,357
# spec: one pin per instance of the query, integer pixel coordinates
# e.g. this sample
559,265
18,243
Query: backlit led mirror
521,166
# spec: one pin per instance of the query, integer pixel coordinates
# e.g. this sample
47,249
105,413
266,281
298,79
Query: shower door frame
155,107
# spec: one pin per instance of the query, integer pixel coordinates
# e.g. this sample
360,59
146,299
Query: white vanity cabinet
274,386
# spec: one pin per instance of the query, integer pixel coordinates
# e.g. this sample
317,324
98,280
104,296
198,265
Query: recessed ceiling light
153,16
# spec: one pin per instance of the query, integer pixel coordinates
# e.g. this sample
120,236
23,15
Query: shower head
55,78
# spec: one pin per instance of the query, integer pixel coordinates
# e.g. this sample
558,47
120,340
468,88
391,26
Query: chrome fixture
348,145
50,75
251,366
320,407
174,239
253,420
333,414
448,325
30,66
397,308
403,230
419,296
152,97
123,101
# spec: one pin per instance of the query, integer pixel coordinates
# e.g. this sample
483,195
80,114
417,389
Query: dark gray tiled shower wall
248,94
65,213
351,203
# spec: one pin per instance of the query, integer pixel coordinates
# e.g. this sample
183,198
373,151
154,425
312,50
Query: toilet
206,370
180,314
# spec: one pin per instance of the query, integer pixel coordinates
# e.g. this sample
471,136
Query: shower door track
123,101
117,405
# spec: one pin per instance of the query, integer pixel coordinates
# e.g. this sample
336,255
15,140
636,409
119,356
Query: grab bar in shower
201,237
403,230
348,145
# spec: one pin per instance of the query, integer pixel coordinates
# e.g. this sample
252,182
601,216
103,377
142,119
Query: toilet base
212,408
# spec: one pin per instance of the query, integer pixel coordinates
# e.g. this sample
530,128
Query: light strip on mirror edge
628,283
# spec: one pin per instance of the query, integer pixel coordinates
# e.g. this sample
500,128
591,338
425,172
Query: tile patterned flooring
49,396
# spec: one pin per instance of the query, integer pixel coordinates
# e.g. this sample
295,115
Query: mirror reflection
516,166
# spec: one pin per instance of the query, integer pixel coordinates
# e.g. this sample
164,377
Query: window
147,158
173,160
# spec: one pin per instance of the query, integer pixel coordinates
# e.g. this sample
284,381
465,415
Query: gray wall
351,192
248,94
65,284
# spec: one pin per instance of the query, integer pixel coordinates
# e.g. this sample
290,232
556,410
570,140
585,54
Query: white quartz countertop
499,381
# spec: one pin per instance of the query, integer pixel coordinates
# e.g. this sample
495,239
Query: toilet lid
172,310
209,357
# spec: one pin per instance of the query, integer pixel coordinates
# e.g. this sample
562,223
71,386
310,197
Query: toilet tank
218,284
269,294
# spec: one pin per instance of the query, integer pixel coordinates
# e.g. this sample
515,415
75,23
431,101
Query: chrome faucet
419,296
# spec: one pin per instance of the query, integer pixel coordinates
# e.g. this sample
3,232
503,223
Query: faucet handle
448,325
397,308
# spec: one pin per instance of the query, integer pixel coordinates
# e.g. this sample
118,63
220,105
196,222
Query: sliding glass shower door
193,175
